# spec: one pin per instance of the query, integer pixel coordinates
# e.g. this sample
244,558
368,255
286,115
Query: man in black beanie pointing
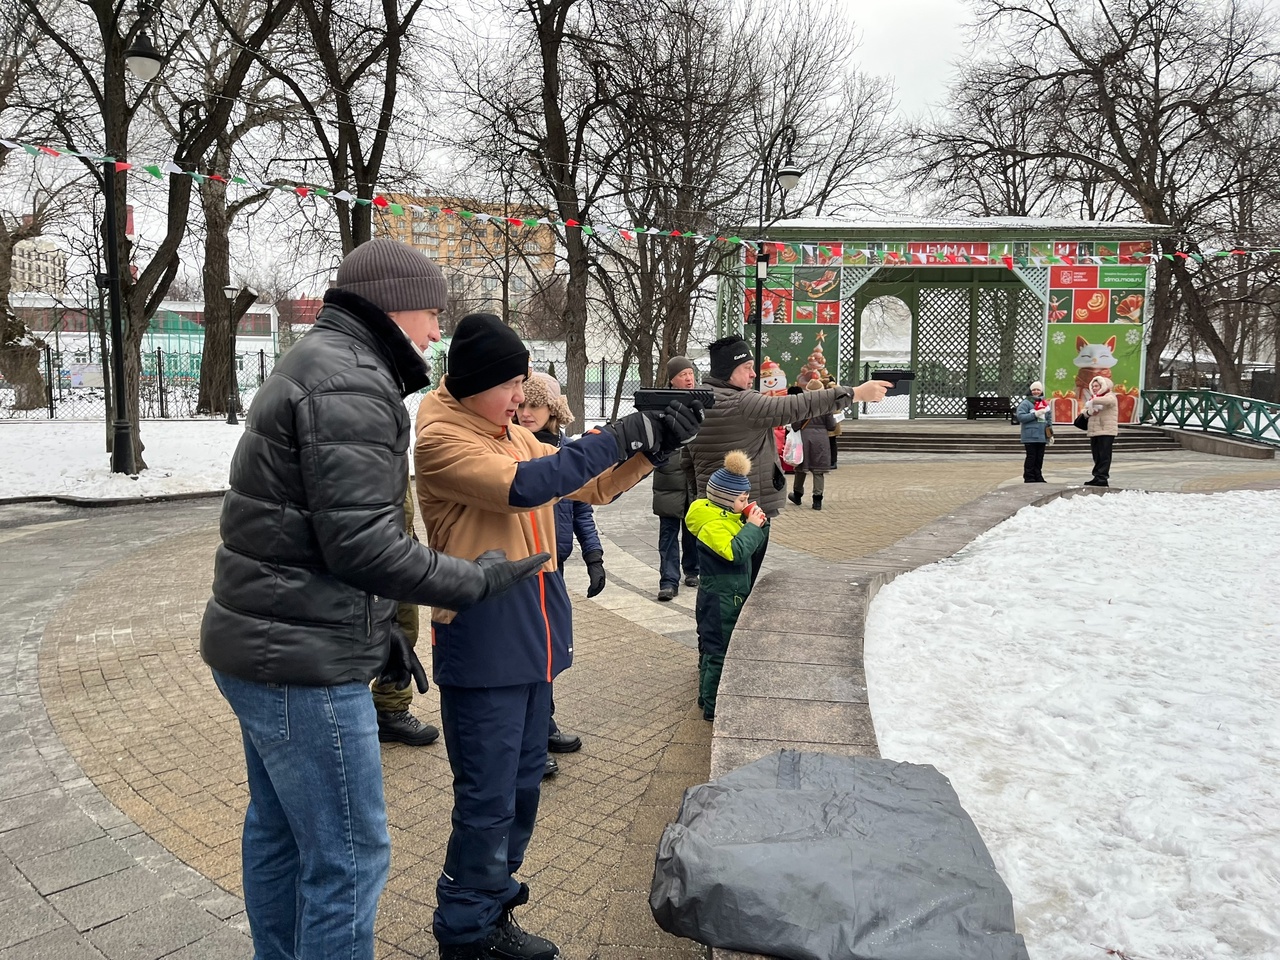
314,557
743,419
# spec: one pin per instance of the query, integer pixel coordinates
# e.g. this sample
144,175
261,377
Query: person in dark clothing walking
313,559
1033,414
674,488
395,723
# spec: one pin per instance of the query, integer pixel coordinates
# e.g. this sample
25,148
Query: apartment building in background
490,263
39,266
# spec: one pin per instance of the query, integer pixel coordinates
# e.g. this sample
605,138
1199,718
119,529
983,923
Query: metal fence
53,385
67,386
1240,417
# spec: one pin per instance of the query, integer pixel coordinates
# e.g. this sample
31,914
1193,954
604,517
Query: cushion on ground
808,856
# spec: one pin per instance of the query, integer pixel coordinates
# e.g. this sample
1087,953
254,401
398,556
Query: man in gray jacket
743,419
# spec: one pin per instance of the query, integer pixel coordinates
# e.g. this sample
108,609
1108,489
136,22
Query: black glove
402,663
595,569
680,424
639,432
501,574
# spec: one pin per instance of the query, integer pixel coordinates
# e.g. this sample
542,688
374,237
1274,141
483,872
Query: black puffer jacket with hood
314,552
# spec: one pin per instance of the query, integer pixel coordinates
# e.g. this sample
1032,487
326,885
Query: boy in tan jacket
486,483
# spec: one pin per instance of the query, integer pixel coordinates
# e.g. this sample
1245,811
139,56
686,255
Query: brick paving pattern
135,705
123,792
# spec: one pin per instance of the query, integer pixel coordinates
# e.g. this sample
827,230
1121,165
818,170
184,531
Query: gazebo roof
961,228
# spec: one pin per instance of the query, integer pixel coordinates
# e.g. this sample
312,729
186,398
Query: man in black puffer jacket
314,557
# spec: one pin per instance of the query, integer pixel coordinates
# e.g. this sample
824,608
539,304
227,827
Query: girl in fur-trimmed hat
729,530
545,412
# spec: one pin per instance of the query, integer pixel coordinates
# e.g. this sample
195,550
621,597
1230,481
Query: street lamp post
786,176
233,394
144,63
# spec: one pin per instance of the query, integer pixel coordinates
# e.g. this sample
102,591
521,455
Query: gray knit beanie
392,276
676,366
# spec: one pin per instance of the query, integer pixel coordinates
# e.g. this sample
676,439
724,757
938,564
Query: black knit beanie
484,352
727,354
392,276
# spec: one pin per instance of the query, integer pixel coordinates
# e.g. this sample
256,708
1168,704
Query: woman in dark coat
817,452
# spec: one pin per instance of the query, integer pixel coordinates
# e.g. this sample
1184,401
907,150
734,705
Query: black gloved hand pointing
501,574
639,432
595,569
402,664
680,424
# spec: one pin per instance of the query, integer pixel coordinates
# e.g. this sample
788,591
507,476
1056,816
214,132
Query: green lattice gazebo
995,302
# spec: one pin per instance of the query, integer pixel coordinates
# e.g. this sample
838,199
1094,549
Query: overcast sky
915,42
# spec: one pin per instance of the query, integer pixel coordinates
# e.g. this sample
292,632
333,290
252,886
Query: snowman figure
773,382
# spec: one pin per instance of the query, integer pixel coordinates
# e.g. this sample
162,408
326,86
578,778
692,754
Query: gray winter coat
744,420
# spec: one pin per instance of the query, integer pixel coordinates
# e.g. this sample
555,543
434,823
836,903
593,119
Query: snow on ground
45,458
1100,679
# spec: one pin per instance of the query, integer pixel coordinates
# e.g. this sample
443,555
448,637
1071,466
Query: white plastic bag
793,448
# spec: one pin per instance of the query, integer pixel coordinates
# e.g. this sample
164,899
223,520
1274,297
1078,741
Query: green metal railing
1240,417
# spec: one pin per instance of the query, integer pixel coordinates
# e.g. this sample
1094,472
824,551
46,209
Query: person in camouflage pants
395,723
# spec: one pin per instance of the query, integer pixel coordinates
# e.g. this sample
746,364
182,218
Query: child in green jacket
729,530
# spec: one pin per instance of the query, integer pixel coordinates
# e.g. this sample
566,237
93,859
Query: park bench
985,407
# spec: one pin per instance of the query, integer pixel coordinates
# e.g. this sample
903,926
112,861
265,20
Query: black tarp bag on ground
808,856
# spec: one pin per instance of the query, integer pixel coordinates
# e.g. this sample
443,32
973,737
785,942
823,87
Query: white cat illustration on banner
1093,360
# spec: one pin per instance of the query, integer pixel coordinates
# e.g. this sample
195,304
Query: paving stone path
123,783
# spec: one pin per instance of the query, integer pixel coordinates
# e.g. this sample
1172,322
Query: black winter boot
509,942
817,501
403,727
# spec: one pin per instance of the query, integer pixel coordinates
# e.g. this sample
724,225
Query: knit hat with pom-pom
730,480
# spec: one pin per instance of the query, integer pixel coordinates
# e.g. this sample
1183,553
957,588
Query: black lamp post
144,63
786,177
233,394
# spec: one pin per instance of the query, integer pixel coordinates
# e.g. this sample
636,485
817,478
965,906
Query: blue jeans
497,743
673,536
315,847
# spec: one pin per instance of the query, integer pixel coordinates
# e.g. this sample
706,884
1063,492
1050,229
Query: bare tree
262,106
345,70
543,315
21,109
1132,102
537,105
91,38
